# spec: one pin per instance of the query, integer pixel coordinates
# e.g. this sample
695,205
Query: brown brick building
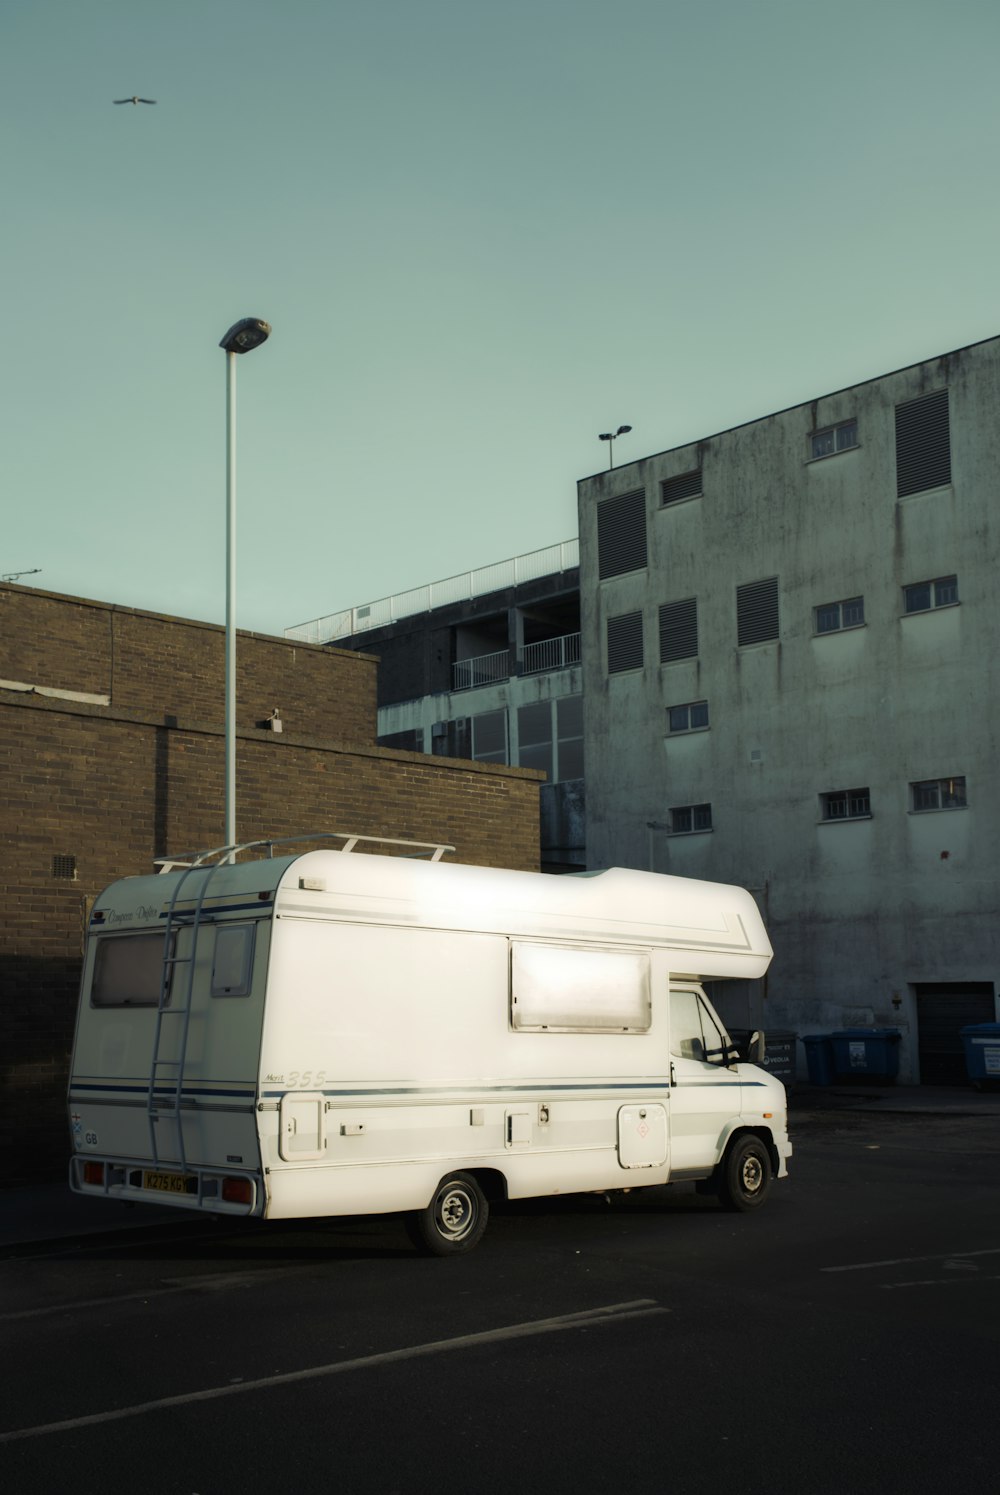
112,752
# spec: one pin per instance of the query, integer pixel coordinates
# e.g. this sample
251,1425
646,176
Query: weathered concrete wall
859,911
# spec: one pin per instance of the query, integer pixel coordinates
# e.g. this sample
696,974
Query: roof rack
433,850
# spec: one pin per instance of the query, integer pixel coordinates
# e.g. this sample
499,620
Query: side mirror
755,1047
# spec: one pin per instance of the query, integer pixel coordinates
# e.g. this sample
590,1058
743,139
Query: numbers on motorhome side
306,1079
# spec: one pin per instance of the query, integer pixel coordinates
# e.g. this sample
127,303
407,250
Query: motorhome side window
128,970
694,1034
232,962
559,988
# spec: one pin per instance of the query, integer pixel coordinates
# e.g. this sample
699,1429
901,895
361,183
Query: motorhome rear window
232,962
128,970
558,988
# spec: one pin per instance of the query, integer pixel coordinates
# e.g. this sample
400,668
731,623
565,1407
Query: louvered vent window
684,485
757,611
679,630
923,444
625,643
621,534
64,867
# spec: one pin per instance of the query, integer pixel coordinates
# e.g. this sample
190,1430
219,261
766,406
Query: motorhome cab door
704,1096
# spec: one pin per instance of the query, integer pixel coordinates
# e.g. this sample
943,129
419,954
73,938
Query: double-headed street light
242,337
611,437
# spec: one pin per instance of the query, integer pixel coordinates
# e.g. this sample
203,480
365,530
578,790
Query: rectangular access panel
642,1135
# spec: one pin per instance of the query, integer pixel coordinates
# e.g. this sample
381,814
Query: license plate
167,1183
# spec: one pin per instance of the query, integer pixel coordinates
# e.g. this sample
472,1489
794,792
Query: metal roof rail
433,850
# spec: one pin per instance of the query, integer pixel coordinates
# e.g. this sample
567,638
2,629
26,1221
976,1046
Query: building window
621,534
679,630
534,736
938,794
923,596
757,611
685,485
569,738
923,444
834,617
833,439
685,820
489,737
692,717
846,804
625,643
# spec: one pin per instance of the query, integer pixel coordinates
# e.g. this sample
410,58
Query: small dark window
757,611
679,630
923,444
621,534
625,643
939,794
846,804
64,867
834,439
684,485
923,596
686,819
832,617
689,718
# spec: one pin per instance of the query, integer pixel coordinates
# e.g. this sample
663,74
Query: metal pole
230,833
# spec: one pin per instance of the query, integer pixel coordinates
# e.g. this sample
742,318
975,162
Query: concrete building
790,633
485,666
111,753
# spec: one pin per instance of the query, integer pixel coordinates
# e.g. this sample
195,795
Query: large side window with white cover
128,970
558,988
232,960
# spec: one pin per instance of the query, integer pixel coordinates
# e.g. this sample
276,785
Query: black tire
455,1219
745,1174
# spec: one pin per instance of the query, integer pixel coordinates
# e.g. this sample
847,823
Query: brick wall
111,786
163,666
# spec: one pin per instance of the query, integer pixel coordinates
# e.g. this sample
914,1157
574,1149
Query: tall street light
241,338
611,437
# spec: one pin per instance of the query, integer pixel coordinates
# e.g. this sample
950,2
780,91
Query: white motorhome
336,1032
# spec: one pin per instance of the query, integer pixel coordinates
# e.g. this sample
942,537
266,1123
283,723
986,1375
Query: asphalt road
843,1339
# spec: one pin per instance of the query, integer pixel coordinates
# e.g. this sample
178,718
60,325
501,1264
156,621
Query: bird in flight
135,99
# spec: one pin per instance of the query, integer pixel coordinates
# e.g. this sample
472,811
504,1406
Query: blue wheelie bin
867,1054
981,1042
819,1058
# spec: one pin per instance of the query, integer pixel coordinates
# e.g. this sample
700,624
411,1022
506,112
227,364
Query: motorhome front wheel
745,1177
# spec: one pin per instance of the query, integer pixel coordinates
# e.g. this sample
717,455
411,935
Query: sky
482,233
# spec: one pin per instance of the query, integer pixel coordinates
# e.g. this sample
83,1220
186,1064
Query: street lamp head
245,335
622,430
606,436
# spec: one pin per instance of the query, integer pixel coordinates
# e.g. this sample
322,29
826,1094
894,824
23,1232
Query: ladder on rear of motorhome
164,1098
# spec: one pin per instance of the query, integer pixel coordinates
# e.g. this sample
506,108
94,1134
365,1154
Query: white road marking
209,1283
614,1313
942,1282
905,1261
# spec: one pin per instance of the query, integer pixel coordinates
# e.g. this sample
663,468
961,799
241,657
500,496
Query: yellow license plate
167,1183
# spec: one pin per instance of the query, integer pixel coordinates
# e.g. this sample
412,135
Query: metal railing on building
485,669
479,583
551,654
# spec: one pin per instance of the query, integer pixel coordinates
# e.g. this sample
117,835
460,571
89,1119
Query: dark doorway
943,1010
